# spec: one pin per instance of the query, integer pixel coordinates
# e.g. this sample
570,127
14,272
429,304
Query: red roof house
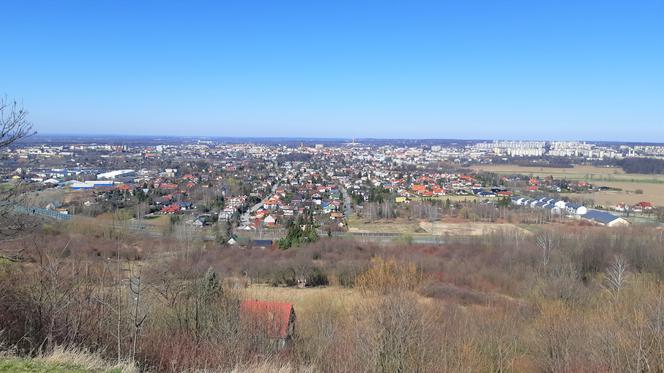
171,209
645,205
168,186
419,188
274,320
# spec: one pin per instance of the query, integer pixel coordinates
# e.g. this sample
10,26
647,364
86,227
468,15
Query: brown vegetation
566,299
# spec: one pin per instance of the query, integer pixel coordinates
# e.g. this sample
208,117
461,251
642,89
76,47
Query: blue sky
417,69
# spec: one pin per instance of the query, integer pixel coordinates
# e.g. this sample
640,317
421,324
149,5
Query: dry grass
401,226
484,304
422,227
452,198
586,173
126,214
85,360
468,229
65,360
651,192
651,185
271,367
307,299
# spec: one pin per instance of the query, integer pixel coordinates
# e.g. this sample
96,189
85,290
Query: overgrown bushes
567,299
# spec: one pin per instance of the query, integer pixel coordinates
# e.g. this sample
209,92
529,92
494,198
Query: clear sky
531,69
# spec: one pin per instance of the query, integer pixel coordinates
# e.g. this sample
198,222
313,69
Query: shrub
385,276
316,277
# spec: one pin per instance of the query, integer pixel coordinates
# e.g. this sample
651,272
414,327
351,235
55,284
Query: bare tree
432,211
616,276
547,242
14,125
141,208
136,288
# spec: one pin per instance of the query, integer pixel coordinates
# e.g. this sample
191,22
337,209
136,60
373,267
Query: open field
452,198
308,301
104,224
61,360
415,227
305,300
402,226
28,365
468,229
651,192
160,221
586,173
651,185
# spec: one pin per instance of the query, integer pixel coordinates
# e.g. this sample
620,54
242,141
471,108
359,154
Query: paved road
347,202
244,218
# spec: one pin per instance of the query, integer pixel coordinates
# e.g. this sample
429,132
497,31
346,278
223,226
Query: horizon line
328,139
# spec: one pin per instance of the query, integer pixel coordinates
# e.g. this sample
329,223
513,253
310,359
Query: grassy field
62,360
586,173
417,227
35,366
452,198
306,300
127,214
468,229
104,222
651,192
402,226
652,186
11,364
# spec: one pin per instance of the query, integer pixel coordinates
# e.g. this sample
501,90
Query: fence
42,212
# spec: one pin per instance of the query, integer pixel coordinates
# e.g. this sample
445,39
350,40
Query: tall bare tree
616,276
14,125
548,242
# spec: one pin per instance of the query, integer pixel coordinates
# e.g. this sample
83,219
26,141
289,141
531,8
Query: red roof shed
275,319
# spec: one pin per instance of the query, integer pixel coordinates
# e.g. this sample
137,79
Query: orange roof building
274,320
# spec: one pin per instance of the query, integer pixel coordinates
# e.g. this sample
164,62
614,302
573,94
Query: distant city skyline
40,136
512,70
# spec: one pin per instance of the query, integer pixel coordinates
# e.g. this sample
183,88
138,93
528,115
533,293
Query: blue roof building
604,218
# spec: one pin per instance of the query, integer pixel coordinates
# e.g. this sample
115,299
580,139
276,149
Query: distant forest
629,165
642,165
551,162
